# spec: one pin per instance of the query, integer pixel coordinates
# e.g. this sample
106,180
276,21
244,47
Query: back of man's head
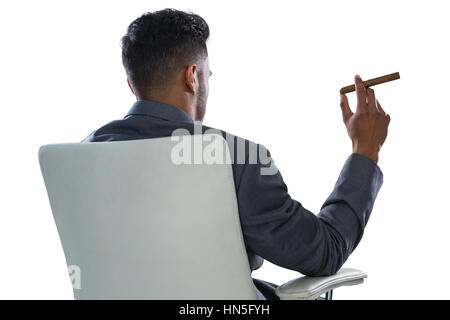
159,44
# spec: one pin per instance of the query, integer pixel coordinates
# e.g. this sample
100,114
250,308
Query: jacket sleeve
280,230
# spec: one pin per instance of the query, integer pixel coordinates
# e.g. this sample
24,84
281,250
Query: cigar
372,82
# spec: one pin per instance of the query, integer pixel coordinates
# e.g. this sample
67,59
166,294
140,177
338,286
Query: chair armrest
310,288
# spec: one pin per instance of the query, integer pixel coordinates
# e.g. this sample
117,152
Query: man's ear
191,77
129,84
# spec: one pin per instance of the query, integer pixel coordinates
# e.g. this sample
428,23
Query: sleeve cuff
363,161
358,185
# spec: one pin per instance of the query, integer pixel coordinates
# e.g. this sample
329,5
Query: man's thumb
346,111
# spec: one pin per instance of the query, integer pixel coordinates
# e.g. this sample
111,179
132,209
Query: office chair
134,224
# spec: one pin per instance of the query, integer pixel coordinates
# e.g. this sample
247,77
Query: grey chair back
135,224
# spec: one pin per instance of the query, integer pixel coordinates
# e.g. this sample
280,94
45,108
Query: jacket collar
159,109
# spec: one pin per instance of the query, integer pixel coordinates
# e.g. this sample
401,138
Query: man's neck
173,101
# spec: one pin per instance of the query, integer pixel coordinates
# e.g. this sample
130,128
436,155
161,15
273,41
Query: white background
277,68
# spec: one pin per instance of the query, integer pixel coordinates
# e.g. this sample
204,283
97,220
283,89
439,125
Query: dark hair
159,44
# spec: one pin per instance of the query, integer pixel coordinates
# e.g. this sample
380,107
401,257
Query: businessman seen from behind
166,61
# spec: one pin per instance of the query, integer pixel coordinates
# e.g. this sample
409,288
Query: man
166,60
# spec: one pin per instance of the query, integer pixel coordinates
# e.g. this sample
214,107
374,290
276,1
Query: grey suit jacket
275,226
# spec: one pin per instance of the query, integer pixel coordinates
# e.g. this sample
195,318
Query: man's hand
368,126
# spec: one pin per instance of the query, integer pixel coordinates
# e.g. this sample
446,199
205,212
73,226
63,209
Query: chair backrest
134,224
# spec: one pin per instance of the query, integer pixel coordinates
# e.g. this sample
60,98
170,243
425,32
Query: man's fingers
380,108
346,111
371,104
388,119
361,94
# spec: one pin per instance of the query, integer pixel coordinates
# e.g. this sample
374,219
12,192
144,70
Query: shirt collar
159,109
